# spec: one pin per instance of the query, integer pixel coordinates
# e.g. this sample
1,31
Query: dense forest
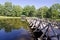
8,9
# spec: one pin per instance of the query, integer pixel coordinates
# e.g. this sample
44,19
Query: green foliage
29,10
17,10
8,9
54,10
42,12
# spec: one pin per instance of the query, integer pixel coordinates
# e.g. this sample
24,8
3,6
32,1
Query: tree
48,13
26,10
17,10
42,11
32,11
54,10
8,8
29,10
0,9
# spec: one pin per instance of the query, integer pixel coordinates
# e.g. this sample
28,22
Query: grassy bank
57,19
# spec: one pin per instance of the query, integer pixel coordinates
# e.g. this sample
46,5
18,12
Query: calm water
20,34
14,29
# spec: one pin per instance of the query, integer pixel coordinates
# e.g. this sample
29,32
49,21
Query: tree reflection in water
11,29
9,24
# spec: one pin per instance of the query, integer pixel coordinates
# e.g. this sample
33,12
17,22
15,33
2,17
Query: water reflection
11,29
15,35
9,24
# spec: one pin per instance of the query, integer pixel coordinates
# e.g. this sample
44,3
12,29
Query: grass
57,19
5,17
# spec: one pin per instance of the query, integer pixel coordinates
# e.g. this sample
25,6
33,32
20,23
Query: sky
36,3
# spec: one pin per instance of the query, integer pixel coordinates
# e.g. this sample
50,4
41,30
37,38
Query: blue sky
36,3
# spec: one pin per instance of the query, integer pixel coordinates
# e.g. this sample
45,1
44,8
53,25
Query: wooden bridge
43,29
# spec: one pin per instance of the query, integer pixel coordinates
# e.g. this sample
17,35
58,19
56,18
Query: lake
15,34
14,29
